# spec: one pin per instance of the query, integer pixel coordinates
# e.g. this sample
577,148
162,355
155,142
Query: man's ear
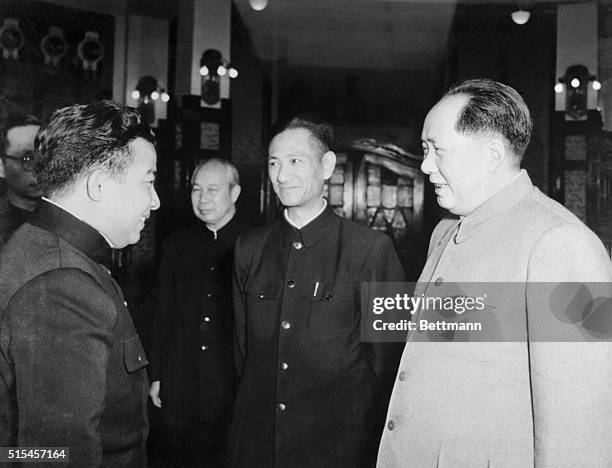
329,163
2,169
234,193
96,181
498,153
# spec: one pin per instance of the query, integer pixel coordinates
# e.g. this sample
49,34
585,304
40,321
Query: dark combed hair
319,129
494,107
82,137
12,116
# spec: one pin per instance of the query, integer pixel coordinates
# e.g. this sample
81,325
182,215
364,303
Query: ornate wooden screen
599,188
382,187
581,171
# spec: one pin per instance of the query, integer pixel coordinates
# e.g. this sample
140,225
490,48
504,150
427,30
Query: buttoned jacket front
513,400
192,347
72,367
310,393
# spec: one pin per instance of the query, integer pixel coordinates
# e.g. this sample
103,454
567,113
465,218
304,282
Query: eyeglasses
27,160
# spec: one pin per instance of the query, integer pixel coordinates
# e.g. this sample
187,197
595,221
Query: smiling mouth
286,189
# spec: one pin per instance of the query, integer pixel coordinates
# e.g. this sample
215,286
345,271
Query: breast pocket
333,312
134,357
262,307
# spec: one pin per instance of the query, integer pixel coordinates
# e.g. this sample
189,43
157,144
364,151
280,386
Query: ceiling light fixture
520,16
258,5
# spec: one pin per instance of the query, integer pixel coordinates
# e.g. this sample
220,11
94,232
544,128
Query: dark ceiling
352,34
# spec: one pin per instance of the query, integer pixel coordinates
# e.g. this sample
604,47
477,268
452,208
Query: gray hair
230,169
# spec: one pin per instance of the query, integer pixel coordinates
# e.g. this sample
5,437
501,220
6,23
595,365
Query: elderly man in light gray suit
502,402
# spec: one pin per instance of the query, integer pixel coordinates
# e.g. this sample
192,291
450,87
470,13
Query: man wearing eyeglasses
17,132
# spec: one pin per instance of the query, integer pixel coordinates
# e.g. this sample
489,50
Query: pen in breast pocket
316,288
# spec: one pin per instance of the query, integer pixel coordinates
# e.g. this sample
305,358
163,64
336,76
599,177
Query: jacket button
209,295
212,268
286,325
439,281
284,366
403,375
125,303
139,359
297,245
204,347
390,425
260,295
207,319
291,284
282,406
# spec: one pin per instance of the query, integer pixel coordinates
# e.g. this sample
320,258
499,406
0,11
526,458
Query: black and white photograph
306,233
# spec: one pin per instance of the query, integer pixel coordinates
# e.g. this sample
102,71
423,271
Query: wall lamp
575,83
212,67
147,92
147,89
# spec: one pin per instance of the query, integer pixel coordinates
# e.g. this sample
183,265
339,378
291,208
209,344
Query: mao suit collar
314,230
228,231
74,231
495,206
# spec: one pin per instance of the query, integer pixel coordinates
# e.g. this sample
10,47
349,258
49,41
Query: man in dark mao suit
192,367
311,394
72,368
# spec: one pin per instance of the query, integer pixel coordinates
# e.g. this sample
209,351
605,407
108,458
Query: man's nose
204,197
155,202
283,173
428,165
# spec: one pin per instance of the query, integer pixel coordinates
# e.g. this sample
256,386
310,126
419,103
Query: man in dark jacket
72,368
311,394
21,193
192,367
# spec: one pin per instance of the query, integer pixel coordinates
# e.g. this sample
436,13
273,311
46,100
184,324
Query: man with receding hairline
192,368
72,367
528,390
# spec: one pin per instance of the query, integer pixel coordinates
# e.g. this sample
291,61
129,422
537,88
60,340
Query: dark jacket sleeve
163,314
63,330
238,283
384,266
